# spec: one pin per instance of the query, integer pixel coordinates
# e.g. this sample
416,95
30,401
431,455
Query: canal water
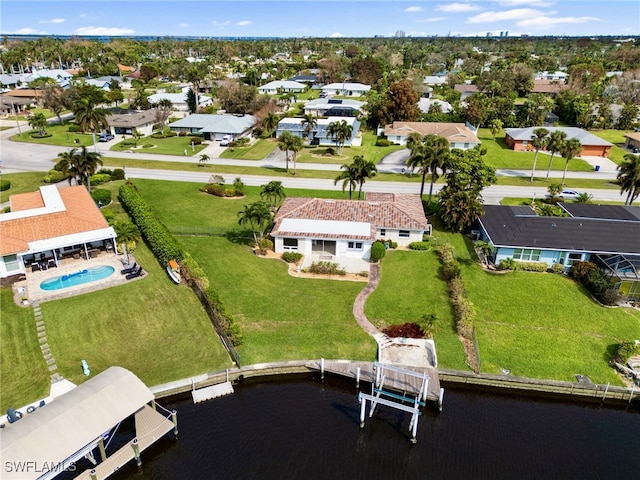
307,429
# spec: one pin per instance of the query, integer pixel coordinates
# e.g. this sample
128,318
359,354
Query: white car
226,140
566,194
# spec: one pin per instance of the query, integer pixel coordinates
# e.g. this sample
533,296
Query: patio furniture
137,273
35,266
93,253
51,263
129,269
76,255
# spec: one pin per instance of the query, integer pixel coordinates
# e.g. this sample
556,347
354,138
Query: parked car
106,137
226,140
566,194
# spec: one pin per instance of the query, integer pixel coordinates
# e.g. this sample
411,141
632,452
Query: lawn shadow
240,237
610,352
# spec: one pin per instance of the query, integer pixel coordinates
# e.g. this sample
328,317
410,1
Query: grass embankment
23,372
21,183
60,135
256,151
177,145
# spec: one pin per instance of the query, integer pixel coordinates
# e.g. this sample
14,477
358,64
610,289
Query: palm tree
570,149
437,151
364,170
629,177
418,160
295,147
88,115
272,191
414,140
539,141
79,165
309,122
349,176
270,122
39,122
554,145
68,165
333,130
344,133
285,144
257,216
204,158
496,127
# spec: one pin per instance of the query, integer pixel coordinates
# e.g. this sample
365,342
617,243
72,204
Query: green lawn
164,146
411,286
618,151
152,327
60,135
257,151
368,150
500,156
23,372
21,183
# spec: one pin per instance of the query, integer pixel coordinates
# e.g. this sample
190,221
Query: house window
290,243
526,254
575,256
524,143
354,245
383,232
398,139
466,146
11,263
404,233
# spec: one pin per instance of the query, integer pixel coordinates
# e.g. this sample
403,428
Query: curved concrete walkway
358,305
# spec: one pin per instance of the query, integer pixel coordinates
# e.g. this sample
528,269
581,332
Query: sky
329,18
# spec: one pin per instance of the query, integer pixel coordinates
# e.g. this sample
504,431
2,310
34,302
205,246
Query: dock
214,391
150,427
394,379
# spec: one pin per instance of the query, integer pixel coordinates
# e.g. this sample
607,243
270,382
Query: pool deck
30,287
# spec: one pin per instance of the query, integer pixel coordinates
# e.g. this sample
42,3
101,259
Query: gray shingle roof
585,137
218,123
520,227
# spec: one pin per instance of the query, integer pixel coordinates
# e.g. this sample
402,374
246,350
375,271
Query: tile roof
548,86
454,132
80,215
399,211
515,227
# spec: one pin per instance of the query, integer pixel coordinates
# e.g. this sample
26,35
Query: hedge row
462,307
591,278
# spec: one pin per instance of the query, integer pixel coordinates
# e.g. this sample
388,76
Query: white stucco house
459,135
319,135
215,126
348,228
124,123
49,224
346,89
282,86
179,100
333,107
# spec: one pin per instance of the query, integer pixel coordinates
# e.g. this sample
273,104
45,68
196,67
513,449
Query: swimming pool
78,278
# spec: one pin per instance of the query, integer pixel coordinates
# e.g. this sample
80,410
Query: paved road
21,157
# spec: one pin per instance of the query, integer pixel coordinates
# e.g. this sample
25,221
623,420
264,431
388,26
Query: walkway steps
214,391
394,380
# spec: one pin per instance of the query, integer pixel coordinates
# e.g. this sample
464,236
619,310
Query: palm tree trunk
431,189
350,191
424,174
628,200
564,173
360,190
533,169
549,166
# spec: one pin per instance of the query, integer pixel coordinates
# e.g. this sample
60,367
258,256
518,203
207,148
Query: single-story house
179,100
48,225
346,89
307,79
424,104
459,135
549,87
347,228
11,80
466,90
33,96
319,135
632,140
333,107
607,235
215,126
557,76
60,76
11,105
122,123
282,86
519,139
434,80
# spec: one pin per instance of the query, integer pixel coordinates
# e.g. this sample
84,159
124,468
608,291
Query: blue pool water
78,278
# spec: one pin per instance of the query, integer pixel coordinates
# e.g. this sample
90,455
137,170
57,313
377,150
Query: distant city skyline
329,18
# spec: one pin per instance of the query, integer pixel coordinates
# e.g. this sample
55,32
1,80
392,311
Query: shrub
531,266
404,330
557,268
327,268
217,190
383,142
610,296
377,251
330,151
73,128
118,174
5,185
580,269
446,253
507,264
183,133
101,196
265,245
450,270
195,140
291,257
99,178
419,245
625,351
54,176
393,244
258,131
191,270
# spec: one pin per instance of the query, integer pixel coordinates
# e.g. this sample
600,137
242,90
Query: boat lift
414,399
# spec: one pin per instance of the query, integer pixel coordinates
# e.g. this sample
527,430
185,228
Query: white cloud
29,31
529,3
336,35
431,19
243,23
457,7
221,24
183,25
516,14
413,9
543,21
53,20
91,30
